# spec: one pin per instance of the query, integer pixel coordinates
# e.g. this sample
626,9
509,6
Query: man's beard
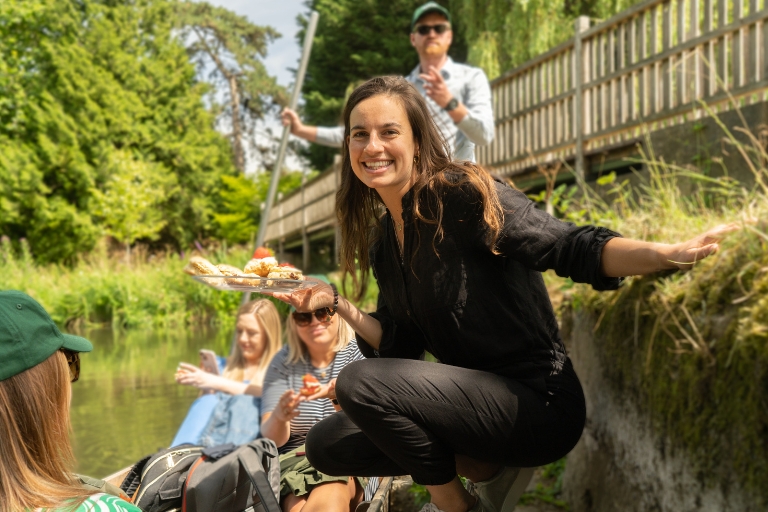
436,49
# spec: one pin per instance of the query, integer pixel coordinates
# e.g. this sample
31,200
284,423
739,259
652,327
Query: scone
198,266
310,385
284,271
239,278
260,266
250,280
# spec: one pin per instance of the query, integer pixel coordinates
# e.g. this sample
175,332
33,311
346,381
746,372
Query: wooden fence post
304,237
580,26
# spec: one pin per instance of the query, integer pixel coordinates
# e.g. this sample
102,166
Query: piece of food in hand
260,266
285,271
310,385
198,266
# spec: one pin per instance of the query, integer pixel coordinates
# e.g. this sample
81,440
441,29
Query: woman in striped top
319,345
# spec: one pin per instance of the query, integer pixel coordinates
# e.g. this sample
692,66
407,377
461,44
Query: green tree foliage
356,41
234,46
503,34
241,199
83,82
128,203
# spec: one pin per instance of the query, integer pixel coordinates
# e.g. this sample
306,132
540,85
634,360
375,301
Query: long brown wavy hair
36,460
358,207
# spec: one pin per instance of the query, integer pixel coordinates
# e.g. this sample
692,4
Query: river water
126,403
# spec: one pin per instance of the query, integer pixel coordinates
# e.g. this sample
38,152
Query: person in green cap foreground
458,96
38,363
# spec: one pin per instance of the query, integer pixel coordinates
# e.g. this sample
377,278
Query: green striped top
101,502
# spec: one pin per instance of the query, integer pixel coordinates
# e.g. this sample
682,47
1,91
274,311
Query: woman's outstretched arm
191,375
625,257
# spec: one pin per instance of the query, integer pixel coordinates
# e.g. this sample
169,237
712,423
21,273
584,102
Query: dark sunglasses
440,28
323,315
73,361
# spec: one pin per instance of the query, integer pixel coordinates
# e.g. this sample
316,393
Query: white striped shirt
282,376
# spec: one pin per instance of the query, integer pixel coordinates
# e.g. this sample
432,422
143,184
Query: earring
416,159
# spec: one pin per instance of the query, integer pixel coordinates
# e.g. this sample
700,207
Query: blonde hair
297,350
36,459
268,318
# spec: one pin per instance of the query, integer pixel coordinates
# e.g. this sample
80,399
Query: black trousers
405,417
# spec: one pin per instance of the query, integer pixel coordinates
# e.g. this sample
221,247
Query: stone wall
619,464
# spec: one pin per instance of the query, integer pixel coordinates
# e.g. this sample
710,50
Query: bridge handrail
650,65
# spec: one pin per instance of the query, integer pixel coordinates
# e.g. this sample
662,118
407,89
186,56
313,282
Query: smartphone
208,361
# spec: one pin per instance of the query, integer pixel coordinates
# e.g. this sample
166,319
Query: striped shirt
282,376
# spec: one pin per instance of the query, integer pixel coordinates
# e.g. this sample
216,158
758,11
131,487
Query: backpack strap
100,486
251,461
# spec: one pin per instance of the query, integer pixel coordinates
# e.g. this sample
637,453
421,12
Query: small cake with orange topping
262,262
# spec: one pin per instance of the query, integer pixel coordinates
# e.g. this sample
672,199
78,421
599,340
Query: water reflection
126,403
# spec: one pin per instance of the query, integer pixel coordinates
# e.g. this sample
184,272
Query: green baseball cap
429,7
28,336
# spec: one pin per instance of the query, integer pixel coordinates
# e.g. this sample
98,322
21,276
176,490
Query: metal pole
310,34
308,37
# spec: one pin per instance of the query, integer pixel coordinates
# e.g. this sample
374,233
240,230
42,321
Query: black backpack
224,478
235,479
155,482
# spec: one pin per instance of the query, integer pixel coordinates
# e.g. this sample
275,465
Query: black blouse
470,307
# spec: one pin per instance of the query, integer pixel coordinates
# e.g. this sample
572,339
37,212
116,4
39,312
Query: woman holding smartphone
229,409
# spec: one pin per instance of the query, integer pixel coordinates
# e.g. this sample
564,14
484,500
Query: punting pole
308,37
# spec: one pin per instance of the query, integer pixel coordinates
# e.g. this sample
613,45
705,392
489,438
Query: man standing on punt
458,96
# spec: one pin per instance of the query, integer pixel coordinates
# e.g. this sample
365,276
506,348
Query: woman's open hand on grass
683,255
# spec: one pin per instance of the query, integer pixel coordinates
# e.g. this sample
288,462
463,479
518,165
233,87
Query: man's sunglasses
73,361
440,28
323,315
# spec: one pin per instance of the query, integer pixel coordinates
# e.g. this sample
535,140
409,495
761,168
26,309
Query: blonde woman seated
318,345
230,413
37,366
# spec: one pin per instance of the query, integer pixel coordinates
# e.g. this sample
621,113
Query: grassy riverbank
691,348
102,290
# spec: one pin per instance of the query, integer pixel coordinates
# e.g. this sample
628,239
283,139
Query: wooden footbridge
589,102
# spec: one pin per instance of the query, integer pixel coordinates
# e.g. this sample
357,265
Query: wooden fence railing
307,209
651,65
648,67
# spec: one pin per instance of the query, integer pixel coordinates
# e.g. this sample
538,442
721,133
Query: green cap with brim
429,7
28,336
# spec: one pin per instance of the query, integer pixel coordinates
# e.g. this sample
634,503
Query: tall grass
102,290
